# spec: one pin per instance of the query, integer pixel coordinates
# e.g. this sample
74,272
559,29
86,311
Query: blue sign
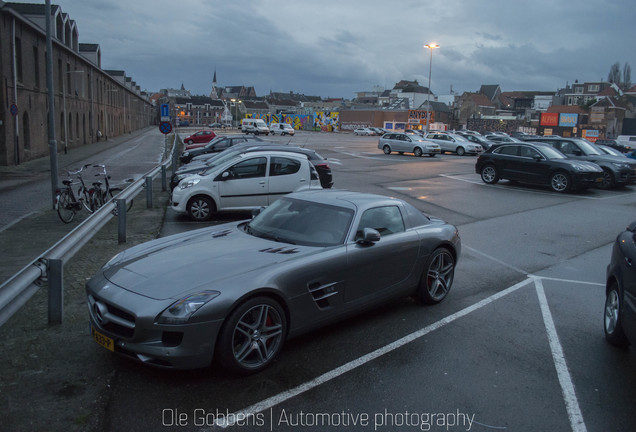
14,110
165,110
568,120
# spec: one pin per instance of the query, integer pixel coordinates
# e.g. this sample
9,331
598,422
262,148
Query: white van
281,128
627,139
255,126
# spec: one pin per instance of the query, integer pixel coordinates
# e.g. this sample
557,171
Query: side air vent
221,233
322,292
280,250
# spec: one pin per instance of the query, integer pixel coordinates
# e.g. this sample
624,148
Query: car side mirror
257,211
369,236
577,152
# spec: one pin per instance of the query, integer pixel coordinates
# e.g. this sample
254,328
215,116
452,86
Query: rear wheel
200,208
66,207
560,182
417,152
386,149
612,318
489,174
252,336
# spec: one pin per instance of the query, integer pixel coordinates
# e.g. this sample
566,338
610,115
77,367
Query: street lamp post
430,46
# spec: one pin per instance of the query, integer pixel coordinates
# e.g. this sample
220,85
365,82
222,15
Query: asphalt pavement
48,378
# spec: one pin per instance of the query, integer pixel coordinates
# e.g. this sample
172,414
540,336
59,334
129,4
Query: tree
614,75
627,76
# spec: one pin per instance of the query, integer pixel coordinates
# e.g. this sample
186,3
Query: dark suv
617,170
216,145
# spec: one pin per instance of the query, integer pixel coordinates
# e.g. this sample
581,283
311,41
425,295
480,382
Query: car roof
345,198
269,153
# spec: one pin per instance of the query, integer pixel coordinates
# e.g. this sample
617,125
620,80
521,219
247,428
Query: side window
567,147
385,220
508,150
528,152
283,166
250,168
222,145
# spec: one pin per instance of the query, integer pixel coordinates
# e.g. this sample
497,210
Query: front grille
111,318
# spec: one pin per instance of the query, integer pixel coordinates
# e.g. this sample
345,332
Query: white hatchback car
281,128
363,131
454,143
248,181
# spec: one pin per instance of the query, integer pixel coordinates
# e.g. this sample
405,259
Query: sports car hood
171,266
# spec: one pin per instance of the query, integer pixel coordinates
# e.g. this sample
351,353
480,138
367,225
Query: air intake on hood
221,233
280,250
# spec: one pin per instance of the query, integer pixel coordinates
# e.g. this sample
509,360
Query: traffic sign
14,110
165,110
165,127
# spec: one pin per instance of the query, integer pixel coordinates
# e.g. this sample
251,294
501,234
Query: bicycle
100,196
67,202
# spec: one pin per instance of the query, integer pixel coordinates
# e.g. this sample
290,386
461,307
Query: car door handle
261,183
628,261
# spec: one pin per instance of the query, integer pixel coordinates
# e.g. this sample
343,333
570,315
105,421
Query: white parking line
567,387
347,367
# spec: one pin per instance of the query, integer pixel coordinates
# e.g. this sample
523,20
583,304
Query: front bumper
587,179
139,337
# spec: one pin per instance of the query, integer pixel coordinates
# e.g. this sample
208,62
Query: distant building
90,104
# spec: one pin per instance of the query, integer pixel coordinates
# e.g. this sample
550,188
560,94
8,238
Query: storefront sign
549,119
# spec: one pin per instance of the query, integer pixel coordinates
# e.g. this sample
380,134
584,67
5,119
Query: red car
203,136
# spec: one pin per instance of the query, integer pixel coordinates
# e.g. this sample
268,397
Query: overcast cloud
334,48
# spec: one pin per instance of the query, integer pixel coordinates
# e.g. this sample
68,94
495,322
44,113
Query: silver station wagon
407,143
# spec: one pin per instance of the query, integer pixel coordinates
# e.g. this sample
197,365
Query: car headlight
621,165
113,259
189,183
181,311
186,153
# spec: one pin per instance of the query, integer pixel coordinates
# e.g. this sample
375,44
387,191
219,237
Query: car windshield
214,141
588,148
301,222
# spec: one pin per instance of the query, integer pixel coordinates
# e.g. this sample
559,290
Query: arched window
26,131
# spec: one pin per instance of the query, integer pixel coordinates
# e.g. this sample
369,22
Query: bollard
164,182
121,220
55,275
148,192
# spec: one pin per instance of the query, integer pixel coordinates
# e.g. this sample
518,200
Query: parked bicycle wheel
96,199
66,206
85,198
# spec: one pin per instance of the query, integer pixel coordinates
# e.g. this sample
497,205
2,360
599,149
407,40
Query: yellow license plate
103,340
599,179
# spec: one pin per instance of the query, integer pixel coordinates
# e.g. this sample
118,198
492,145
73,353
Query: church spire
213,93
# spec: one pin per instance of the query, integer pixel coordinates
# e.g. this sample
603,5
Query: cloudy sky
334,48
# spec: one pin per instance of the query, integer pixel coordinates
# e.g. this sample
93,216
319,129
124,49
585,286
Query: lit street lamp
430,46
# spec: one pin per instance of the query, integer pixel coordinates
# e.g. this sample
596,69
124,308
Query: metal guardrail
47,268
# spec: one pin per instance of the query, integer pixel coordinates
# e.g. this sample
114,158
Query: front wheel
417,152
489,174
66,207
614,333
386,149
608,180
113,193
252,336
461,151
560,182
200,208
437,279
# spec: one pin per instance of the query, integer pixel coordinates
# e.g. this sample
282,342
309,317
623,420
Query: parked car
320,163
454,143
623,147
363,131
610,150
216,125
281,128
536,163
617,171
379,131
309,259
248,181
479,139
620,290
497,139
217,145
254,126
202,136
404,143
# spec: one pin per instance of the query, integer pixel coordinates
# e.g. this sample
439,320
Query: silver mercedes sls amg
235,292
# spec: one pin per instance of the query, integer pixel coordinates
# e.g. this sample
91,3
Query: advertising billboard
549,119
568,120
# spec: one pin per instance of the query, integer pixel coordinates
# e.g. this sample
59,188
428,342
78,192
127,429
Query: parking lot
518,344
